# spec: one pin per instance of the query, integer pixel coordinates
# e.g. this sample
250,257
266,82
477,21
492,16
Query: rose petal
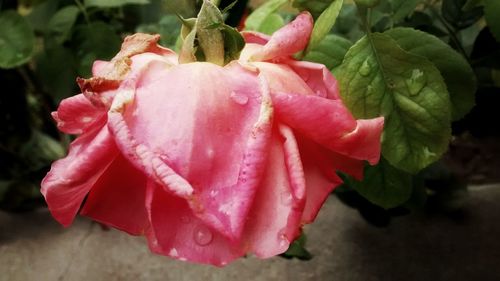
317,77
330,124
76,115
320,167
282,78
71,178
252,37
118,198
274,220
178,233
288,40
226,208
197,135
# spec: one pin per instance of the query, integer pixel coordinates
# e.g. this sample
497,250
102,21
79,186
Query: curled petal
118,198
320,167
76,115
71,178
275,218
317,77
288,40
139,153
330,124
109,75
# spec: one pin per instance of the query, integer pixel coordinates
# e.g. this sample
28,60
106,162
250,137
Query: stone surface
416,247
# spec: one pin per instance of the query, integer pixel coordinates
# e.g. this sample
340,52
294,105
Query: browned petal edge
118,68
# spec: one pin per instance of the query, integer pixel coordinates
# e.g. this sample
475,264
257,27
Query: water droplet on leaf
239,98
416,82
202,235
365,68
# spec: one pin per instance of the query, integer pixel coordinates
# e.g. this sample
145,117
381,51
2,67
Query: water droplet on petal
239,98
283,240
416,82
173,253
202,235
286,198
365,68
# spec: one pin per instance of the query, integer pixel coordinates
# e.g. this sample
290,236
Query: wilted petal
288,40
136,51
99,67
118,198
330,124
76,115
71,178
177,232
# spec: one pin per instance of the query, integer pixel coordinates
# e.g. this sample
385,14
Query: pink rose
208,162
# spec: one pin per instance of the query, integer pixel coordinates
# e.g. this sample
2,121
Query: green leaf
378,78
330,51
402,8
392,12
492,15
57,62
324,24
210,39
233,43
59,26
41,149
384,185
168,27
41,14
297,249
113,3
456,71
257,18
186,8
453,12
348,23
16,40
272,23
94,41
367,3
315,7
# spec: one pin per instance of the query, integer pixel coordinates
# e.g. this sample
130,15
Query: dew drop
283,240
365,68
286,198
416,82
202,235
240,99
